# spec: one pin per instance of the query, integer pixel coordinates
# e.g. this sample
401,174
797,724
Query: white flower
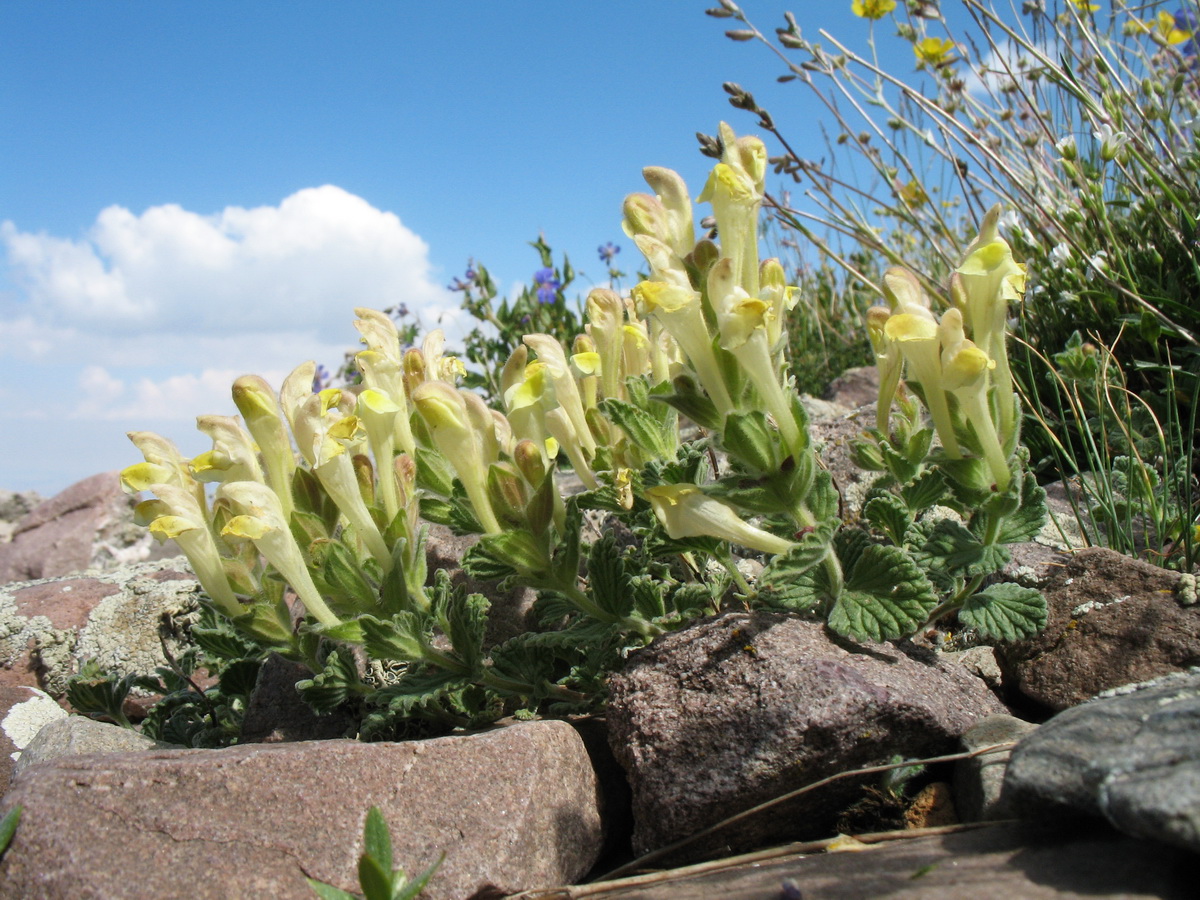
1066,148
1009,221
1110,142
1061,254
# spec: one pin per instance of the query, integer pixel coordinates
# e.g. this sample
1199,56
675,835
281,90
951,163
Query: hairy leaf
607,578
336,683
961,553
1008,612
889,514
886,596
644,429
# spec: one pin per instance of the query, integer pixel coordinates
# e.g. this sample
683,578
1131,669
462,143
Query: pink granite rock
512,808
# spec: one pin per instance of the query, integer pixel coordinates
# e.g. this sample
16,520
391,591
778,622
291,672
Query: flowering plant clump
1079,118
328,493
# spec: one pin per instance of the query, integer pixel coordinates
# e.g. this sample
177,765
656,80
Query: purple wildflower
608,252
547,285
467,281
321,379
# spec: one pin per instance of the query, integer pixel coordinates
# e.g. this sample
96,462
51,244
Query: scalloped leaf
1026,523
924,491
961,553
608,579
331,687
1007,612
886,595
890,514
644,429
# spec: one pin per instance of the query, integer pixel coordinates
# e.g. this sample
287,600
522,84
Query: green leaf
341,572
416,689
377,839
374,881
519,550
440,512
607,577
403,637
759,495
307,527
414,887
886,595
434,472
645,430
94,692
688,399
1026,523
336,683
1007,612
239,677
924,491
961,553
393,589
463,618
328,891
748,438
823,499
889,514
783,583
8,828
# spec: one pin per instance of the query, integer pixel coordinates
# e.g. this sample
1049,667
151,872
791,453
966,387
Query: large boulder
733,711
1132,757
87,526
1112,620
511,809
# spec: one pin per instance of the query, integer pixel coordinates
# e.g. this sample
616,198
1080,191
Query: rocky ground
693,785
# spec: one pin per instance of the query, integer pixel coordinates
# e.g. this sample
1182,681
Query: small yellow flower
872,9
932,51
913,194
1085,5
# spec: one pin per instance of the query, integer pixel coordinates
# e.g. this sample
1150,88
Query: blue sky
195,191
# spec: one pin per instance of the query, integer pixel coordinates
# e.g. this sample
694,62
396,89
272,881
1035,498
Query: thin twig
596,888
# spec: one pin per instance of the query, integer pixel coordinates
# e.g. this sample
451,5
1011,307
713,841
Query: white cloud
146,320
300,265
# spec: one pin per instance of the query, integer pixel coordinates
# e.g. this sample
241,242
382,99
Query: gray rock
511,611
855,387
978,781
76,735
1112,620
277,713
1132,756
14,506
511,808
48,627
730,712
24,712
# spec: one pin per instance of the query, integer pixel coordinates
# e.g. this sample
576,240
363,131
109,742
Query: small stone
76,735
24,712
933,806
978,781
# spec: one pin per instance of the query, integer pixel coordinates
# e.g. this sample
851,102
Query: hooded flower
260,520
686,511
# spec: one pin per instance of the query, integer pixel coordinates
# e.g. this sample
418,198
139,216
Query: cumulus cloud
301,265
